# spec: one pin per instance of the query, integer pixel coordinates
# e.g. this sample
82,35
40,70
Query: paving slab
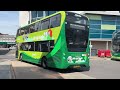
76,75
5,70
23,70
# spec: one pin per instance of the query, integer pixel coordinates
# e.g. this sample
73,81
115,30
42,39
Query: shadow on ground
34,72
115,60
5,71
6,51
69,70
3,52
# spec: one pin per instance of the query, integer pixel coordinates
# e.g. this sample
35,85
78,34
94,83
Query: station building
6,40
102,25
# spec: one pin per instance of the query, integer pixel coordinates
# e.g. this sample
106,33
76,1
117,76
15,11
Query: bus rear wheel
44,63
85,68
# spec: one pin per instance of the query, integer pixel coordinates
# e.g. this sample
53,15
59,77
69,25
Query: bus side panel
55,56
61,56
33,57
66,54
58,57
115,56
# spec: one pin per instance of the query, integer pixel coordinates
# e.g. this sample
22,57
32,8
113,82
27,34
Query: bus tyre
44,63
84,68
20,57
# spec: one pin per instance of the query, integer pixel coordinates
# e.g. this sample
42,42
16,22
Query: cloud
8,12
9,22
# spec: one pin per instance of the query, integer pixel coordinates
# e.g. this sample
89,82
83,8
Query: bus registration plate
76,66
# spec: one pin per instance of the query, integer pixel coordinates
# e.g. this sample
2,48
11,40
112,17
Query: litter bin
98,53
101,53
107,53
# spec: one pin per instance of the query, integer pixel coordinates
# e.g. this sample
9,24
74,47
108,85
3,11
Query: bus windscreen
76,33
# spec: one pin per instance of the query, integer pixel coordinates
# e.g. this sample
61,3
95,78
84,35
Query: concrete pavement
104,69
75,75
5,70
101,68
23,70
6,51
99,58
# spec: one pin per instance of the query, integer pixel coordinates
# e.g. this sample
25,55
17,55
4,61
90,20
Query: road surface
101,68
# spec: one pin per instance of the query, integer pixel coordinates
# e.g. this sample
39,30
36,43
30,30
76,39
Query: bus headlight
85,55
64,54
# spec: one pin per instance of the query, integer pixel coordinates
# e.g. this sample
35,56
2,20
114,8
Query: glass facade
40,13
47,13
103,26
35,15
7,41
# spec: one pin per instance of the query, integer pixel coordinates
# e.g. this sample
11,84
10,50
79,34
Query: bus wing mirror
90,46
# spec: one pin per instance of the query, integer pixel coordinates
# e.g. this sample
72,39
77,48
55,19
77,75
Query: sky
9,22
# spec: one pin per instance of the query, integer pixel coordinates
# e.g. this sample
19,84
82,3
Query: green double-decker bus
60,40
116,45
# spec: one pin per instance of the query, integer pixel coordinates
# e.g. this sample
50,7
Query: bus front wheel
20,57
44,63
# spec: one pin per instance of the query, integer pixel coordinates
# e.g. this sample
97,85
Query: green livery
60,40
116,46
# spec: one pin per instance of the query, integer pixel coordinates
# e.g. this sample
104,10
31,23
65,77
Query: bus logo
74,59
50,32
25,37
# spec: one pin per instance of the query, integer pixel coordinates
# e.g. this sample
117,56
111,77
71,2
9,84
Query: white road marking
76,75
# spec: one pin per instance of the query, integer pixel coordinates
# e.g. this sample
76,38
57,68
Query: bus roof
42,19
53,15
78,14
